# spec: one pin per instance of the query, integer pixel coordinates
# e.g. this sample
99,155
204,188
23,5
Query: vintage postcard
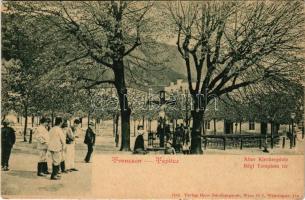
153,100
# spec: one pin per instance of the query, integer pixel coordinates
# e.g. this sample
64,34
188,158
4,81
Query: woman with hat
139,147
169,149
90,141
70,141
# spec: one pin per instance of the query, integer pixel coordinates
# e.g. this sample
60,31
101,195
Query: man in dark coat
90,141
167,132
8,139
177,142
161,135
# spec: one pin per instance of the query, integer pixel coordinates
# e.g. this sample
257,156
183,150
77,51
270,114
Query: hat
5,121
91,124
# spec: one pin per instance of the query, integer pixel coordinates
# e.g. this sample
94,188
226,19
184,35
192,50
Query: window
251,125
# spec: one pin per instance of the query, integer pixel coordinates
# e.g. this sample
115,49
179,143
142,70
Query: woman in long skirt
70,141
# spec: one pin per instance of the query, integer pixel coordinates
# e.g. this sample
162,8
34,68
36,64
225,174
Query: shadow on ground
51,188
23,174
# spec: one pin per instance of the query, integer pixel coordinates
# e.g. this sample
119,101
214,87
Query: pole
272,130
292,131
186,109
134,127
113,125
303,130
31,133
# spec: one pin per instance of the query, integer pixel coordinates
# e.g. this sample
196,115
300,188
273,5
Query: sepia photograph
112,99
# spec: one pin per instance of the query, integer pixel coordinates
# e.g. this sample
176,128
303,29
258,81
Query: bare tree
105,32
231,45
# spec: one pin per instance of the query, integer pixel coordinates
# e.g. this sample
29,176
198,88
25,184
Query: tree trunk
235,127
264,128
52,118
240,127
150,125
214,121
3,117
272,127
33,118
196,132
113,124
173,127
134,127
203,127
116,121
125,131
88,118
277,128
124,107
25,123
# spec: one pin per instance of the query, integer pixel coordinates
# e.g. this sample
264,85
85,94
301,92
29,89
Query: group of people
58,141
178,139
172,142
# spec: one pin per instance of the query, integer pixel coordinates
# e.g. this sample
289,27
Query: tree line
57,54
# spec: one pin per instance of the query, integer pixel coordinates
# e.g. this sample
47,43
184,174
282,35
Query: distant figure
150,138
8,139
139,147
76,128
42,137
57,143
169,149
49,124
186,148
167,132
177,140
90,141
161,134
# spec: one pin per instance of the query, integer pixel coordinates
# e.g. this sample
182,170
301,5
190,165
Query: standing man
8,139
90,141
56,146
70,141
65,129
42,136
